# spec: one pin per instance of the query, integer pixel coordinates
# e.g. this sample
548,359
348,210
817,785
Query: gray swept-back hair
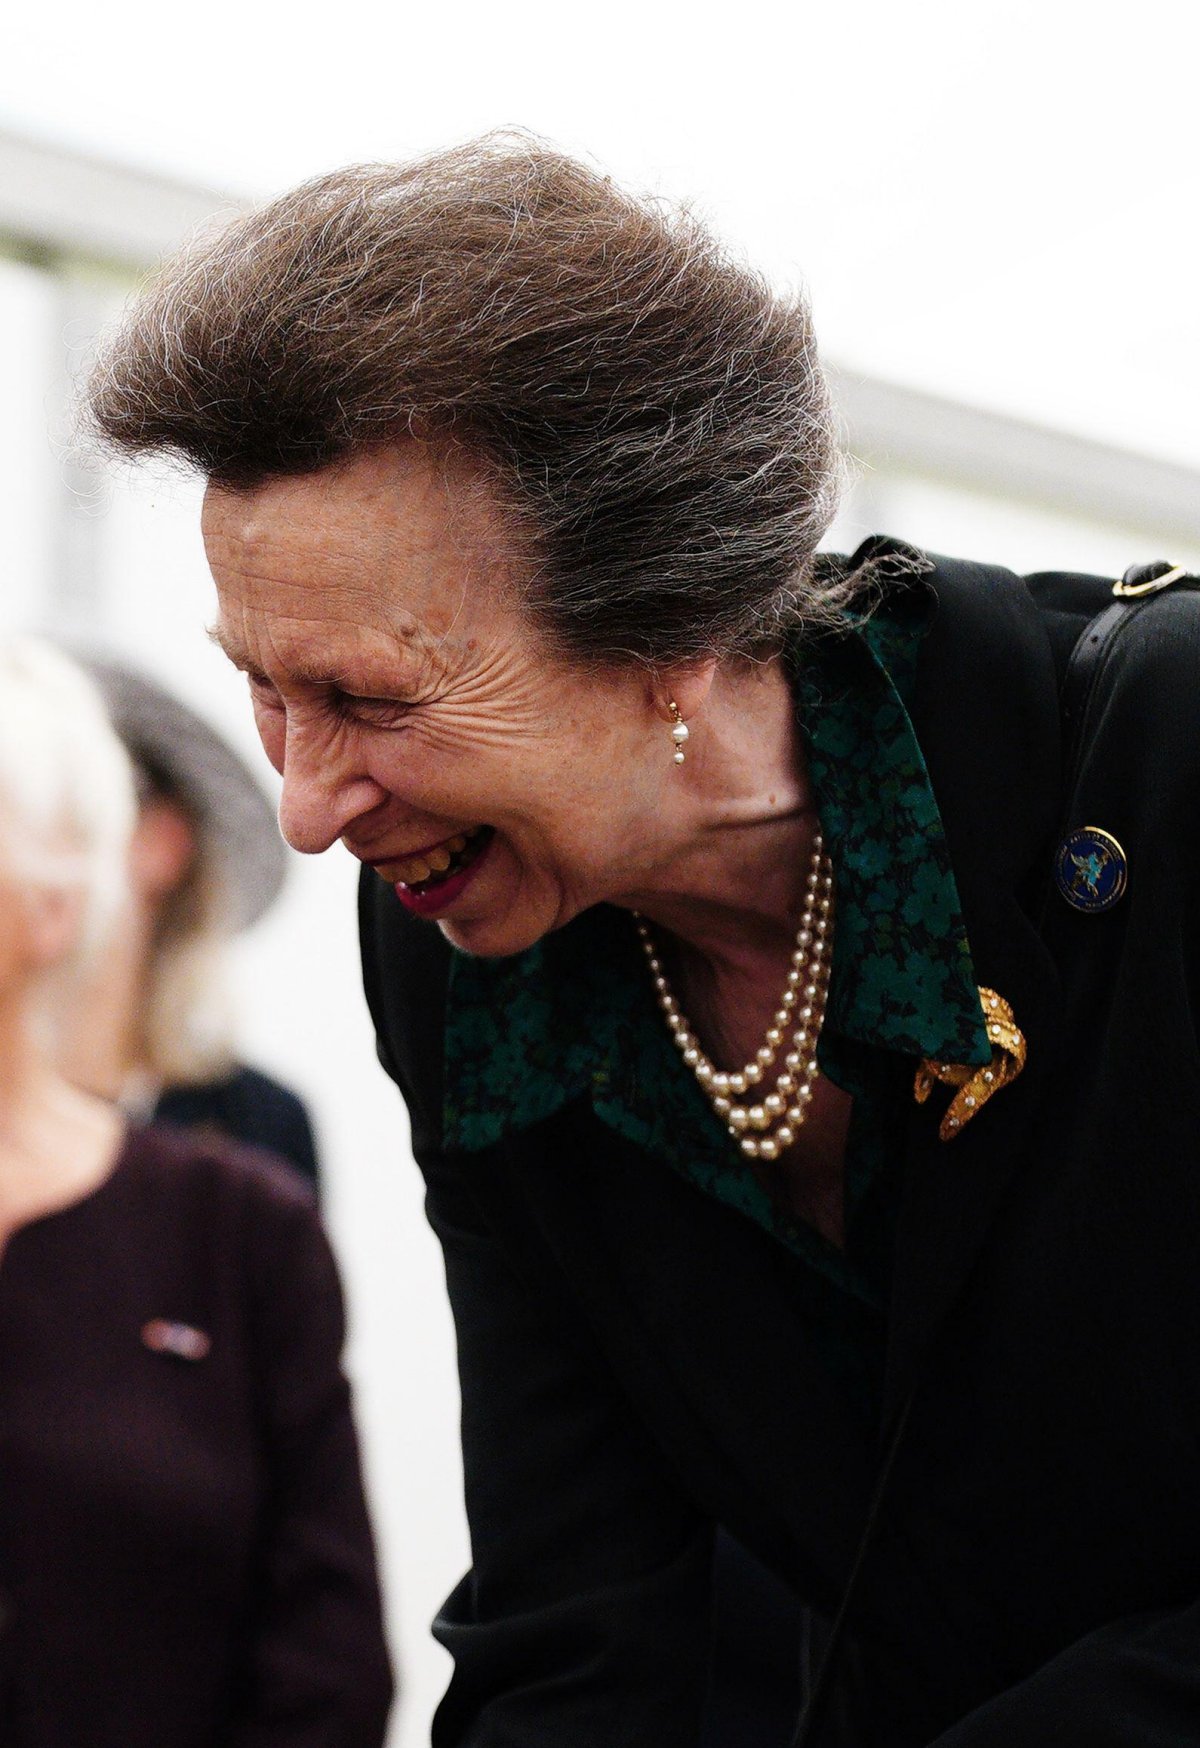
652,413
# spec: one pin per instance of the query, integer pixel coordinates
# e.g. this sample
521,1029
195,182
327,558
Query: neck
56,1143
22,1063
729,883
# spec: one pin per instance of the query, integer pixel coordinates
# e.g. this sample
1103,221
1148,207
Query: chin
501,932
490,937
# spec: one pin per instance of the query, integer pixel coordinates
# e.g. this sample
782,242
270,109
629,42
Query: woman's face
414,712
39,919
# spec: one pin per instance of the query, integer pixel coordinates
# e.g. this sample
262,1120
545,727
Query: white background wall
993,202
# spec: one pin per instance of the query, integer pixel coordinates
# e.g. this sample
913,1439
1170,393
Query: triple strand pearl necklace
766,1129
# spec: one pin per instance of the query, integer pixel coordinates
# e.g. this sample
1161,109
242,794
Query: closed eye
375,712
262,693
354,706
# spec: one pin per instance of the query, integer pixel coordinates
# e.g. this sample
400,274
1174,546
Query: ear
687,685
162,850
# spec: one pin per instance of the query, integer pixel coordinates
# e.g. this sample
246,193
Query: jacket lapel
986,714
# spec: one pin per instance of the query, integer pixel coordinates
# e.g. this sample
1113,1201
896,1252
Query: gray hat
180,750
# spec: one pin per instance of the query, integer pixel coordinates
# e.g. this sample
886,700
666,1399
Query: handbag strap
1131,594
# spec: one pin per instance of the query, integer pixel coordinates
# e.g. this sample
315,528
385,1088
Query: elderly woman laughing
772,1097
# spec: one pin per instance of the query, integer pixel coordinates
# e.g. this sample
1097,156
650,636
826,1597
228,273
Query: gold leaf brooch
976,1085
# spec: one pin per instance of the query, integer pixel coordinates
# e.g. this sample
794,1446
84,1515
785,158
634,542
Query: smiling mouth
432,868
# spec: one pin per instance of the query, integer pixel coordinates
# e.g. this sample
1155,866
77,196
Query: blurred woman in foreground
185,1557
151,1027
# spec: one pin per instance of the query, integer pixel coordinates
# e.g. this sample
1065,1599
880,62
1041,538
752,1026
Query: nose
321,796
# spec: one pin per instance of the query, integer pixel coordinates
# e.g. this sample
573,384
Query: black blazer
635,1366
246,1105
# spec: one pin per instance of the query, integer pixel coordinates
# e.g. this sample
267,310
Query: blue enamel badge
1091,869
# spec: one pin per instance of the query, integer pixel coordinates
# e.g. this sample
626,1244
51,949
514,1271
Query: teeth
419,868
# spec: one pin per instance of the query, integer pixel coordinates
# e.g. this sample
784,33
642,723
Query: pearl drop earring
679,732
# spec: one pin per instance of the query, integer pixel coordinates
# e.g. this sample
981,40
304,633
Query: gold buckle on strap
1129,591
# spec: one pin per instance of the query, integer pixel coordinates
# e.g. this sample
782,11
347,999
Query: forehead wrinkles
293,607
403,543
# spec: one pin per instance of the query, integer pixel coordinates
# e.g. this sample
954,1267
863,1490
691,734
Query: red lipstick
431,897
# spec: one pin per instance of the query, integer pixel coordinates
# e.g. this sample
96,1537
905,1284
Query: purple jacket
185,1557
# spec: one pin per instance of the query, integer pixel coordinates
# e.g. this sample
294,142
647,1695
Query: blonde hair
67,799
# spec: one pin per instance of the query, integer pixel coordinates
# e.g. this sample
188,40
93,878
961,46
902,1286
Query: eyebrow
229,649
311,673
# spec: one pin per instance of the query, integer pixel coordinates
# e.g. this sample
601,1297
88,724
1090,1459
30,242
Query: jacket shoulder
248,1106
1142,746
215,1177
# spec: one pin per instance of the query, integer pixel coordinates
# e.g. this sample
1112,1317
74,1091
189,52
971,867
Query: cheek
422,769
